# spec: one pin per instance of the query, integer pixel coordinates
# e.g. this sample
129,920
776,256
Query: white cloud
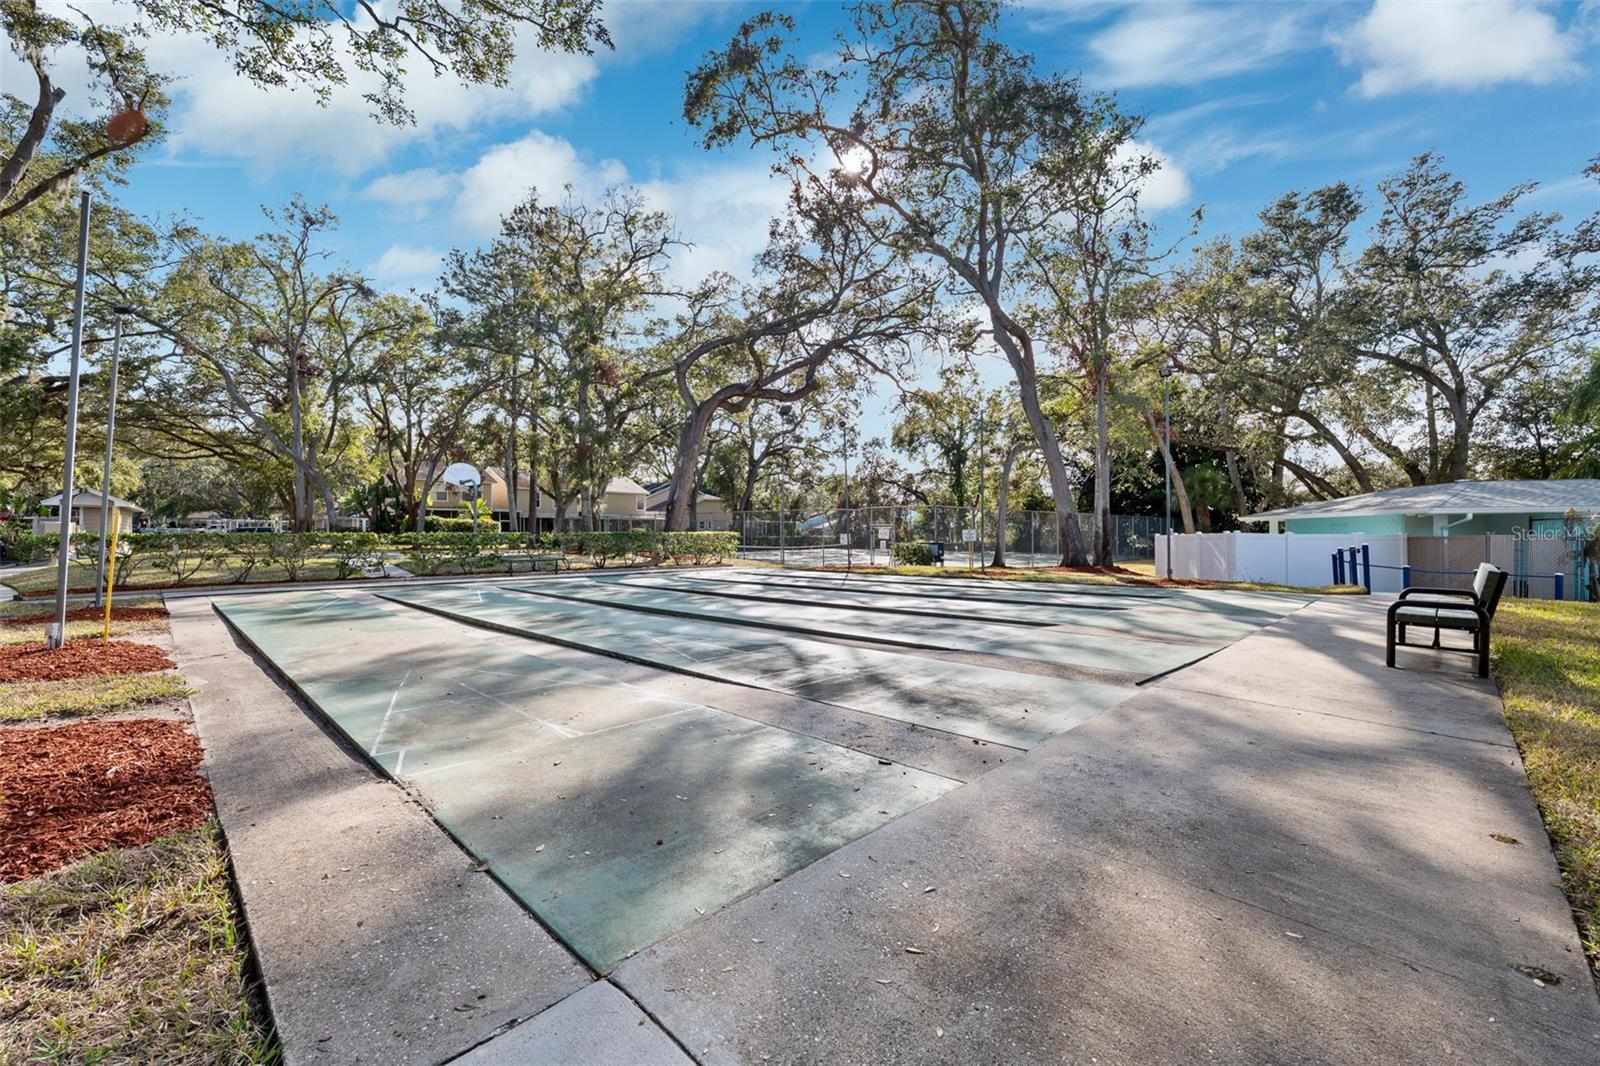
640,29
411,191
723,211
1182,44
1452,44
403,262
503,176
217,112
1167,186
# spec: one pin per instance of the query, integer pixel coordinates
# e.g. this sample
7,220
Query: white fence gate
1301,559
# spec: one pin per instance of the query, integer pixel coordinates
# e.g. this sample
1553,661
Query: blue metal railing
1354,565
1520,585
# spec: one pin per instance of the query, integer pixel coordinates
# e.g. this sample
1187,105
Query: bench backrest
1487,586
1480,580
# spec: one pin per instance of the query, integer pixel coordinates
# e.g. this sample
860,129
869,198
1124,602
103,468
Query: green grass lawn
80,627
132,955
1547,663
25,701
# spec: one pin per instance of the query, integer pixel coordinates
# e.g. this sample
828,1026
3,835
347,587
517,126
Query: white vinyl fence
1303,559
1547,567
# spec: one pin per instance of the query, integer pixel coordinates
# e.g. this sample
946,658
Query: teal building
1455,508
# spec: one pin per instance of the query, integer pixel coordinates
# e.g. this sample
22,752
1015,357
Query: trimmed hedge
912,552
183,558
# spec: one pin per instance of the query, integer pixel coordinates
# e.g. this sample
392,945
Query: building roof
661,504
1458,497
616,484
91,496
625,484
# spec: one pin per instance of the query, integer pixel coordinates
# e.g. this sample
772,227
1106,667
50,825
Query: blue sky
1245,101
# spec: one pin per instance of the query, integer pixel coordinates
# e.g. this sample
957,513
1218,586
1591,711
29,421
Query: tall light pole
121,311
57,633
1166,453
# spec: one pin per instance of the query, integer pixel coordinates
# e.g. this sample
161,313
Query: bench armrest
1425,590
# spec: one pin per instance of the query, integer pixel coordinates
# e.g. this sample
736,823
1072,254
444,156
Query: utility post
57,633
1166,452
121,311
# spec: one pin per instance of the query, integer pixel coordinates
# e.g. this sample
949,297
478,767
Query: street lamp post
1166,453
57,633
121,311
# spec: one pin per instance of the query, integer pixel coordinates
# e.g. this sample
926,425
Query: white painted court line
378,739
640,721
559,730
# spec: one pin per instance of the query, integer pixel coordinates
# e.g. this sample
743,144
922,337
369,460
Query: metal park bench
1470,611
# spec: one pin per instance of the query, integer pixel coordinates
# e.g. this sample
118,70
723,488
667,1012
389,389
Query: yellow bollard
111,575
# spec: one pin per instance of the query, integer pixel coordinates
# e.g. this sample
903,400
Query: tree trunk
533,466
1073,550
685,464
1433,431
301,522
1174,474
1002,498
1462,422
1231,458
1102,466
1357,468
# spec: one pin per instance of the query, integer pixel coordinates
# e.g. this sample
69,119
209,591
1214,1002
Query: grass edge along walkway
1547,664
83,697
132,954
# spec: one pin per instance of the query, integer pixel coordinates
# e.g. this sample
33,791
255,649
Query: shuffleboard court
1148,623
1000,706
615,815
1106,651
1258,607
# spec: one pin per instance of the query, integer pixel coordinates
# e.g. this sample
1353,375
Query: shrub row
182,557
912,552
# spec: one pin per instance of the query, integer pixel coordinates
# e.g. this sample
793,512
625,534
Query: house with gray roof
1452,509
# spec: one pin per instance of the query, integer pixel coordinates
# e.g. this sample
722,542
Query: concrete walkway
1283,853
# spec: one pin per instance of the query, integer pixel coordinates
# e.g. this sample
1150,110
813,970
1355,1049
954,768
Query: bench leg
1389,644
1482,638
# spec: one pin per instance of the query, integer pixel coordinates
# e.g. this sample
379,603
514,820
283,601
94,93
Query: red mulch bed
91,614
79,658
77,789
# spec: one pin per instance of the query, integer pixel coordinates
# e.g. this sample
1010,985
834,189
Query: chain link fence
1546,564
866,535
